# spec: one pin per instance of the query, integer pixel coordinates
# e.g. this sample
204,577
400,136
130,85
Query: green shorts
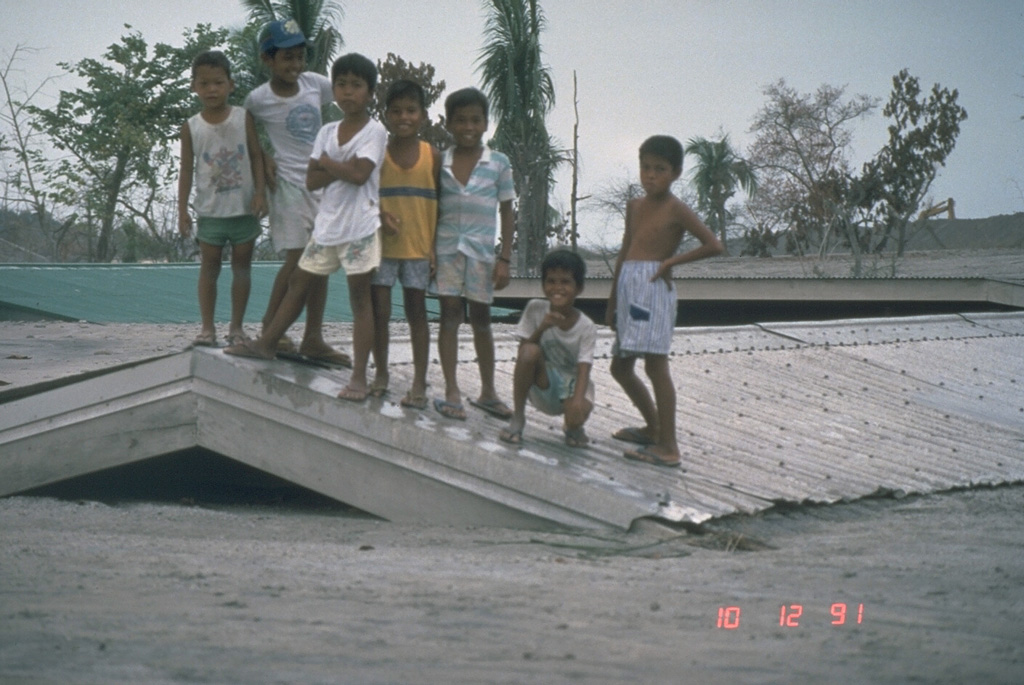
221,230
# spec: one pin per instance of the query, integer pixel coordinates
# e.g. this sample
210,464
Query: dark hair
356,64
464,98
666,147
211,58
564,259
404,88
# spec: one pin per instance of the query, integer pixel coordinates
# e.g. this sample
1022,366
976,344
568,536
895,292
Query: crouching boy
556,352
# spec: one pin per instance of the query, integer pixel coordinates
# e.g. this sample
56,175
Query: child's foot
379,387
647,455
323,352
493,406
414,401
251,349
450,410
205,339
353,394
639,435
576,437
513,432
237,338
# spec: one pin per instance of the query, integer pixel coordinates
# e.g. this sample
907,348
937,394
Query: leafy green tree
118,132
719,173
521,93
921,138
394,68
318,20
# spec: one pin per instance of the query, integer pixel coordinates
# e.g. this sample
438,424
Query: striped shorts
645,313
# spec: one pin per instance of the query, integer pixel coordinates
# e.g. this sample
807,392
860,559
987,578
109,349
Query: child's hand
664,272
184,225
552,319
502,275
270,172
390,223
258,206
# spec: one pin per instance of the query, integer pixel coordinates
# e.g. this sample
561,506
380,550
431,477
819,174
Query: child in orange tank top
408,202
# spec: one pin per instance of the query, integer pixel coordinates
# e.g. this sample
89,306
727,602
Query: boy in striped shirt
476,185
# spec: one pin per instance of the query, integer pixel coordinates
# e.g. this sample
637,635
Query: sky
686,68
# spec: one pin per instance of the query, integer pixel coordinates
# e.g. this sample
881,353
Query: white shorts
292,213
357,257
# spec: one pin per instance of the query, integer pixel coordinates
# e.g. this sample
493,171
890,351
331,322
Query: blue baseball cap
281,34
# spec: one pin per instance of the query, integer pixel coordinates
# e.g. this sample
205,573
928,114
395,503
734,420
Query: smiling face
468,125
351,93
404,117
286,65
213,86
657,174
560,288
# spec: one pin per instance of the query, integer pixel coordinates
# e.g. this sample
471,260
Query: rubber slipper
411,401
645,456
450,410
493,407
576,437
511,437
353,395
205,340
246,350
634,434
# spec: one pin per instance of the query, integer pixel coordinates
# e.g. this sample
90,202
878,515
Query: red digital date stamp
790,615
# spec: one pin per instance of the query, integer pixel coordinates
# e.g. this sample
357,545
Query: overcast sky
683,67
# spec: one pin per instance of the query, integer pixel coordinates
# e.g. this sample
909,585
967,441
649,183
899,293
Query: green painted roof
145,293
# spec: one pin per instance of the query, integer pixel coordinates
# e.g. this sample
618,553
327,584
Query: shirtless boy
642,306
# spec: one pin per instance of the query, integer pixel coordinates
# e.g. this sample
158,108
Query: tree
521,94
801,141
394,68
18,137
119,131
719,173
317,20
921,138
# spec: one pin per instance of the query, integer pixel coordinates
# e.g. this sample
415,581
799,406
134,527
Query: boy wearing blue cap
288,108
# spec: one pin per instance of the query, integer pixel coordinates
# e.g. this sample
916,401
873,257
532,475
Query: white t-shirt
223,171
564,350
292,122
348,211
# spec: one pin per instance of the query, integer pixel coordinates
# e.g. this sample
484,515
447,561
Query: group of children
392,208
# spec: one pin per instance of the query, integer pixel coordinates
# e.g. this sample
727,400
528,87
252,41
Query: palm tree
316,18
521,93
720,171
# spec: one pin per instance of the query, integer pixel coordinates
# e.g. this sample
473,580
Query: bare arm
627,238
185,182
259,197
324,171
709,244
502,270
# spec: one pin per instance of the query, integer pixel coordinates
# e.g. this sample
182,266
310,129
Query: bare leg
530,370
362,334
381,296
624,372
452,313
657,368
291,306
483,343
313,336
277,291
241,284
209,272
419,333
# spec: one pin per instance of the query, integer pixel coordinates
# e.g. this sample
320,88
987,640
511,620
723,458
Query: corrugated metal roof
795,412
